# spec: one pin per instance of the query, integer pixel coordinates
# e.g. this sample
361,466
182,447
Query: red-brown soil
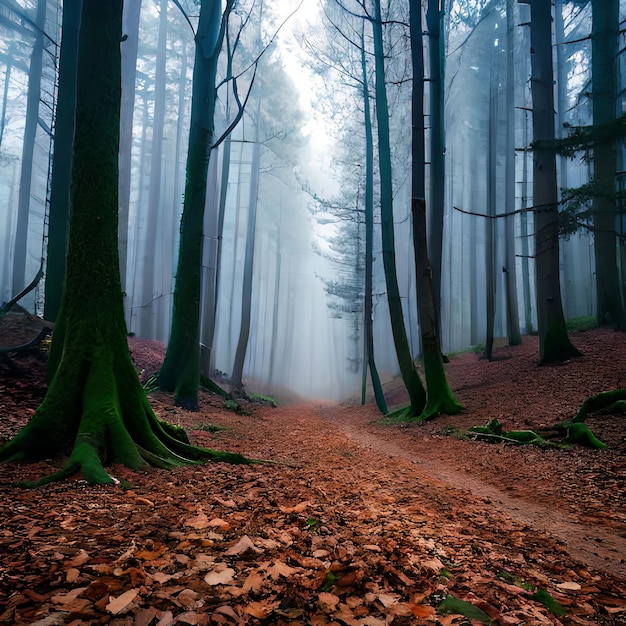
355,523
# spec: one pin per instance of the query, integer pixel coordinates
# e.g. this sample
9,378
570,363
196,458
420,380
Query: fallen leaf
327,601
298,508
144,501
218,522
72,575
220,577
198,522
253,582
281,569
227,610
387,599
569,586
190,617
116,605
260,610
372,547
423,610
243,545
80,559
66,598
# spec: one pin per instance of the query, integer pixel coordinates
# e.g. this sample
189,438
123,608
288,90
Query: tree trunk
150,294
28,148
440,396
132,11
554,343
416,391
436,58
246,289
62,163
95,407
379,395
604,51
490,270
512,312
181,368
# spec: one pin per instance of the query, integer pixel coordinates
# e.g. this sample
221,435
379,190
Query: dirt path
593,545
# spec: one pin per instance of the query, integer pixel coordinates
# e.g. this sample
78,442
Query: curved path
596,546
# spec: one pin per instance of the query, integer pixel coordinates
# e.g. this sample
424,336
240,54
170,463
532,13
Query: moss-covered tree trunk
604,50
95,409
440,398
414,387
554,343
181,368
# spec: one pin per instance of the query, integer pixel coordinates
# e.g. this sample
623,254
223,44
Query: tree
554,343
246,288
604,75
512,312
28,147
416,391
130,22
149,291
379,396
436,57
62,160
95,407
346,53
440,398
181,368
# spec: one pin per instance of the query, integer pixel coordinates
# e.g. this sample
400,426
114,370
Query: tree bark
62,163
246,288
28,147
415,389
512,311
132,11
554,343
379,395
604,51
150,294
181,368
440,397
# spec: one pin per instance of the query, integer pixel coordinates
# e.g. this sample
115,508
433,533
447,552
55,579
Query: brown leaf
221,576
192,618
281,569
218,522
66,598
198,522
243,545
117,605
260,610
72,575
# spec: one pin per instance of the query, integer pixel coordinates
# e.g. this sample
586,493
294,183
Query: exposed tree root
606,402
115,424
561,435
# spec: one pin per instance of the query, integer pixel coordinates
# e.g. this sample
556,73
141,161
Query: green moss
258,397
176,431
582,323
454,605
208,427
543,597
581,434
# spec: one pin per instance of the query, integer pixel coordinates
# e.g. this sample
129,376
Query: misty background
289,180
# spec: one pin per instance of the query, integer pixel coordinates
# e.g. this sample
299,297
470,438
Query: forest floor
356,522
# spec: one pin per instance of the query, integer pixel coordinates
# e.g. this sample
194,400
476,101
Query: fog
298,147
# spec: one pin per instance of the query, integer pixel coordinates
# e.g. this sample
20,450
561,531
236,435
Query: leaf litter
358,523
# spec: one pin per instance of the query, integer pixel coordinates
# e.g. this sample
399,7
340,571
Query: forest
312,312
